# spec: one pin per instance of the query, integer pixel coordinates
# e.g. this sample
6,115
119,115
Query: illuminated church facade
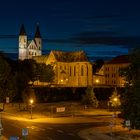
29,48
72,69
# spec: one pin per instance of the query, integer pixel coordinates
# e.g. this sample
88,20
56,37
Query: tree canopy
89,98
131,97
15,77
46,73
7,84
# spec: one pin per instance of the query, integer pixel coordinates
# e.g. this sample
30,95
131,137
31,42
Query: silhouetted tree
89,98
131,98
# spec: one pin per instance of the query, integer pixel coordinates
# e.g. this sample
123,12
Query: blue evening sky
102,28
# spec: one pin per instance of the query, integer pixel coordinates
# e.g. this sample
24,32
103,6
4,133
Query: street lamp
31,103
115,99
115,104
97,81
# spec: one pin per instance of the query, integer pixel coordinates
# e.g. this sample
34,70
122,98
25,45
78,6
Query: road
44,131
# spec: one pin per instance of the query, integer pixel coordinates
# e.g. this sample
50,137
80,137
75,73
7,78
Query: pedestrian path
92,134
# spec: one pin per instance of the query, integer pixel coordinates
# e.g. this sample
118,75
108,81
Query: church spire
37,33
22,30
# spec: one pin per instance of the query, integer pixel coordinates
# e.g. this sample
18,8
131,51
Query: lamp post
31,103
115,105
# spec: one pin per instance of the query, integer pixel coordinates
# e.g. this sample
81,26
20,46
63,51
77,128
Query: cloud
89,38
98,17
8,36
107,38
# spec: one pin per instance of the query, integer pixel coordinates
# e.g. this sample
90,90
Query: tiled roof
41,59
78,56
119,59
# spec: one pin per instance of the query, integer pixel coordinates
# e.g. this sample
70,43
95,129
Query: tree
46,73
131,98
7,86
114,100
89,98
25,72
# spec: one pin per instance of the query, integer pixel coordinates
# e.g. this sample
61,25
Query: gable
32,45
51,58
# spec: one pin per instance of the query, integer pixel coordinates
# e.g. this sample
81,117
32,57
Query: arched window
70,70
87,70
74,70
82,71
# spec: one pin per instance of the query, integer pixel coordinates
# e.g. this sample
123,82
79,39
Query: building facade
72,69
111,71
29,48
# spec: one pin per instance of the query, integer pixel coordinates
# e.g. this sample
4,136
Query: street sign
14,138
111,124
127,123
24,131
7,100
60,109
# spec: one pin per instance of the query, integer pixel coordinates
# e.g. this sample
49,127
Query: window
70,70
82,71
87,70
74,70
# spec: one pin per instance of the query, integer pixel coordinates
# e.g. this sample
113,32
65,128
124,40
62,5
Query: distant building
111,70
72,69
29,48
99,77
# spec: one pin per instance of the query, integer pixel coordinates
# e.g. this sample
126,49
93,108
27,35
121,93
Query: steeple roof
22,30
37,33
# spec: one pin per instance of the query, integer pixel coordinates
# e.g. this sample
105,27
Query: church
72,69
29,48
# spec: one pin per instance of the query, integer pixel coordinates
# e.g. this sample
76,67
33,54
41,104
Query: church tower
38,40
22,44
